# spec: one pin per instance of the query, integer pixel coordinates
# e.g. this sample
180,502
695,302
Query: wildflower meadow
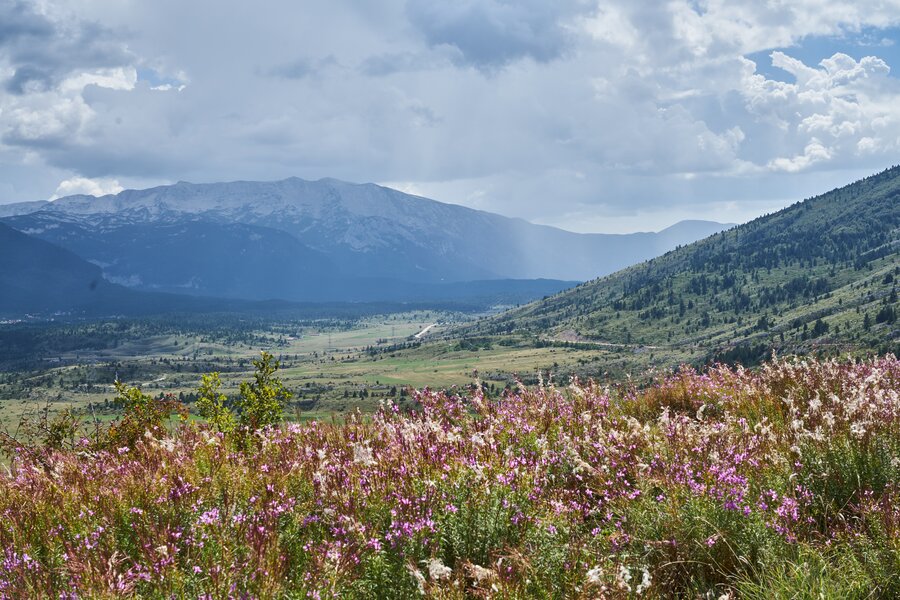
783,481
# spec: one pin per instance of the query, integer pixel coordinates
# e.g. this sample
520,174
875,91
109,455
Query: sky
610,116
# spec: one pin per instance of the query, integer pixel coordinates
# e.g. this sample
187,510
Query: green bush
142,414
260,404
211,403
262,400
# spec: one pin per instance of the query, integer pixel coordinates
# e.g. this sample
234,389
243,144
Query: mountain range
40,279
325,240
820,274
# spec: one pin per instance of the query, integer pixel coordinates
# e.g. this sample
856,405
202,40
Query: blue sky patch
870,41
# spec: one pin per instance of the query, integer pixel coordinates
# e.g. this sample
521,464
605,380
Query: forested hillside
822,273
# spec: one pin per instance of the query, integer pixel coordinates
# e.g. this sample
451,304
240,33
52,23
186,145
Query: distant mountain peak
358,229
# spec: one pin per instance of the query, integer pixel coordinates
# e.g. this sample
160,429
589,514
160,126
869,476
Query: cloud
493,33
60,70
42,48
44,121
390,63
492,103
119,78
303,67
89,187
841,111
813,153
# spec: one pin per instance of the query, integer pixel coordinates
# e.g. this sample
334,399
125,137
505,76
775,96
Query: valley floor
332,368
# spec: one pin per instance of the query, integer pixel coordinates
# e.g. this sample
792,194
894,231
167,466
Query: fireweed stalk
725,482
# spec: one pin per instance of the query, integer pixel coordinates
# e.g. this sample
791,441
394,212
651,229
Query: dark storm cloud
26,75
18,19
496,32
42,51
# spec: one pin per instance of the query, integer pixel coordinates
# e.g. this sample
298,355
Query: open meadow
331,368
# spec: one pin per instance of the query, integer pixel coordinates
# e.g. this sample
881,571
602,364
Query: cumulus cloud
814,152
89,187
44,121
119,78
841,110
49,60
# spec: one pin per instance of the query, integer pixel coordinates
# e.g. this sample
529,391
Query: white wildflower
595,576
420,579
645,582
481,574
623,577
814,405
437,570
362,454
581,466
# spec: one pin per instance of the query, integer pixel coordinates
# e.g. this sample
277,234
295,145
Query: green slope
821,273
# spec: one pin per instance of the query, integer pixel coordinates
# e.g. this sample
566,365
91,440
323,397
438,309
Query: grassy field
330,369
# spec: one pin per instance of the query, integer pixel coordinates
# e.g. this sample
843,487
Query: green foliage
479,526
473,344
61,430
384,576
700,545
263,400
44,431
844,469
809,575
142,414
211,403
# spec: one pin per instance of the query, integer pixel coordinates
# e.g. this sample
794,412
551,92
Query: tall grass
779,482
